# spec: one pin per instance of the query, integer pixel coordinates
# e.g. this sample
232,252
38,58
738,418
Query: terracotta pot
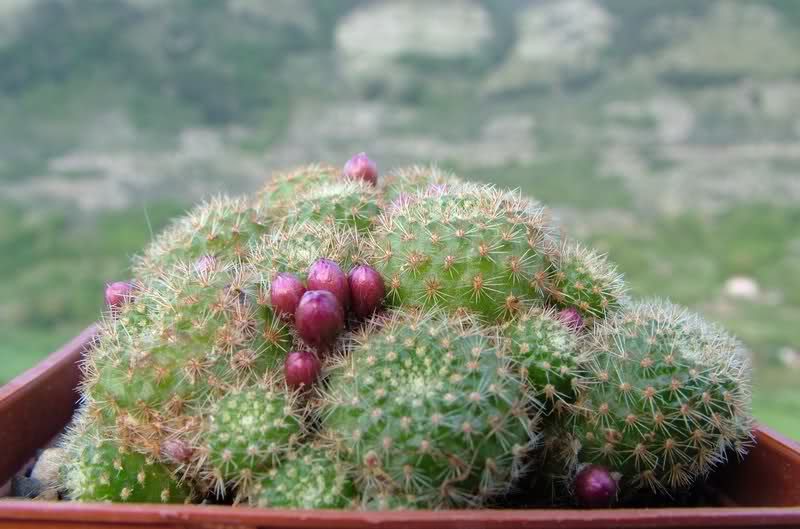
761,491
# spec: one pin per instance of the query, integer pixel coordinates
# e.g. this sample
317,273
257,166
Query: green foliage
60,262
51,254
567,181
160,50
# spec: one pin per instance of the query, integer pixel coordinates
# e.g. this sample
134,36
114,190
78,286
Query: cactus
426,406
247,431
295,248
282,189
190,335
102,472
495,336
410,181
585,280
547,353
473,248
664,399
351,203
222,227
309,478
95,468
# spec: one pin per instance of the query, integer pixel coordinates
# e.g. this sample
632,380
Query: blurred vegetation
683,166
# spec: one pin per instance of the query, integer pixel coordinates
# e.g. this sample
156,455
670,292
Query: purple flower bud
177,451
301,369
285,293
324,274
571,318
118,293
360,167
595,487
205,264
366,290
436,190
400,201
319,319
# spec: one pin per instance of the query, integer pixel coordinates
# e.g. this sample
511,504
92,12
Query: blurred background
665,133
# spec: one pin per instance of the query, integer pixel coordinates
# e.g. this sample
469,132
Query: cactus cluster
409,341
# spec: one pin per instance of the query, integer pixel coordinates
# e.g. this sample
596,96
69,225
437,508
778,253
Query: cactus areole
343,341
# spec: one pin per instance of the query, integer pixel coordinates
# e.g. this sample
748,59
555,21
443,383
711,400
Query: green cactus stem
189,336
96,468
471,249
426,407
247,431
348,203
222,228
547,353
665,399
309,478
585,280
283,188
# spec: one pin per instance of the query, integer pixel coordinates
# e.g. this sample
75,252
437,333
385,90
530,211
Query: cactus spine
351,203
102,469
282,189
402,184
187,337
294,248
222,228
